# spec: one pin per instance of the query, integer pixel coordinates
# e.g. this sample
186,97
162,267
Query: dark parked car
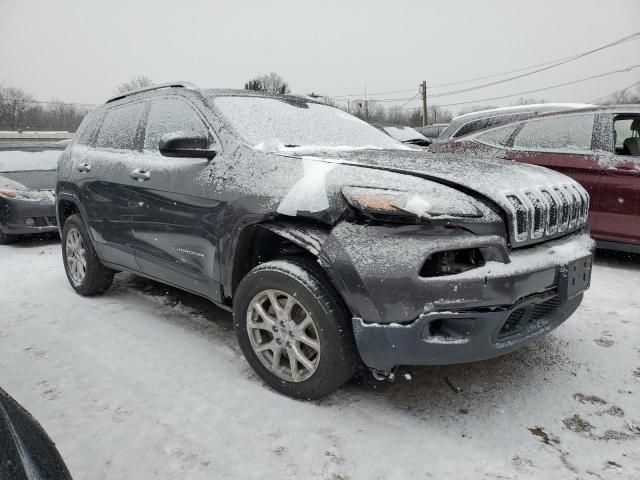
598,147
330,241
433,131
404,134
26,451
27,183
481,120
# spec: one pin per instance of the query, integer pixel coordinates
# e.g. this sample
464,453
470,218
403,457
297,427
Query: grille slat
540,213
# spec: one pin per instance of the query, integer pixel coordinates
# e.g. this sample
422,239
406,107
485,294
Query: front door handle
84,167
140,174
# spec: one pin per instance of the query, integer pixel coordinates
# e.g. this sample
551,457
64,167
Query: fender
306,235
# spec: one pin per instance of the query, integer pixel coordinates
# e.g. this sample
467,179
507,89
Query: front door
620,186
175,220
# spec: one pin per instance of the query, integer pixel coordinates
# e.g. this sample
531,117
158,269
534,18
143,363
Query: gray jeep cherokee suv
332,243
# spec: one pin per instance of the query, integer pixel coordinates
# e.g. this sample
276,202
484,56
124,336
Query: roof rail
177,84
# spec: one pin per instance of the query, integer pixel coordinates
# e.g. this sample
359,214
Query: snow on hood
276,146
21,160
8,184
493,178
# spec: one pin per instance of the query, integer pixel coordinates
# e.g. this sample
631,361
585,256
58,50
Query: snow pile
309,193
418,206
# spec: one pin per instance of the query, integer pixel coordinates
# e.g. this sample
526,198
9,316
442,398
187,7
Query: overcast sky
80,50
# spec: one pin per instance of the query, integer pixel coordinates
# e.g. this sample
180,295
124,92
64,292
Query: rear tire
84,271
316,332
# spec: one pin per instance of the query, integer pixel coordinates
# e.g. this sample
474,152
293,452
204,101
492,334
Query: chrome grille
540,213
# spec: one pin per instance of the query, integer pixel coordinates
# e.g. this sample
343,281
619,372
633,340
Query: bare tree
628,95
134,84
20,111
272,83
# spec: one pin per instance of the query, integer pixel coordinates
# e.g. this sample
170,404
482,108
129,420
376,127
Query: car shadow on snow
478,387
421,391
35,241
610,258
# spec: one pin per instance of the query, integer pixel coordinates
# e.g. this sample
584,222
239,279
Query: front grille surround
537,214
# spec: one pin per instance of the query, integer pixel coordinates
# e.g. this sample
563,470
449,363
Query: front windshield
451,129
286,123
404,134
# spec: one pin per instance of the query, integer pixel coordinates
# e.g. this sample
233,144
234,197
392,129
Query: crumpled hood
490,177
8,184
29,180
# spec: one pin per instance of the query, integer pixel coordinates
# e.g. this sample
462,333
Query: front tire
84,271
294,329
6,239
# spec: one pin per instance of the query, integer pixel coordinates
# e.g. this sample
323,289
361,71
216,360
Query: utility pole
423,90
366,104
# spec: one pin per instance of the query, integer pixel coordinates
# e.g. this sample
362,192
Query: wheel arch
269,240
66,205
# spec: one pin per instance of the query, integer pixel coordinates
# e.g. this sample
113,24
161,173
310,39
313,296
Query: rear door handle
84,167
140,174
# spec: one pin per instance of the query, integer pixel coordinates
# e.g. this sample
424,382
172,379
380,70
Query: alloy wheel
76,256
283,335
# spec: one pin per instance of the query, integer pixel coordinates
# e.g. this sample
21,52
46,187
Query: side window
567,132
171,115
627,135
471,127
119,127
86,135
498,137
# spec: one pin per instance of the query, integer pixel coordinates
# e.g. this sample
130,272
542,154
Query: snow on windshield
20,160
273,124
404,134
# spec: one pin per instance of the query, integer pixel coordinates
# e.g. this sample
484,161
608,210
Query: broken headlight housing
397,205
28,195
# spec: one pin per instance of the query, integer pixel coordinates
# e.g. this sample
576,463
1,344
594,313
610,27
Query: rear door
102,173
620,185
175,222
563,143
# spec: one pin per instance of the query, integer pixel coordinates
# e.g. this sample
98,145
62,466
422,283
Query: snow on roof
533,106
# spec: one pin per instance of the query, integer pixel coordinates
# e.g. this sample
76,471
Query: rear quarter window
567,132
87,132
119,128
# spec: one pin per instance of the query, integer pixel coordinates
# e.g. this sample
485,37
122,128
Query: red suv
599,147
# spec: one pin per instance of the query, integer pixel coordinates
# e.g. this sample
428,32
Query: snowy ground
146,382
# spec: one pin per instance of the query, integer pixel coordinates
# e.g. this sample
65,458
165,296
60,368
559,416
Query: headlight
28,195
442,202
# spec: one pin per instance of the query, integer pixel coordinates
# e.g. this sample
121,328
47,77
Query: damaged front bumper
402,317
18,217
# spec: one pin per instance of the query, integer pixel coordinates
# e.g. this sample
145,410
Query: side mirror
181,144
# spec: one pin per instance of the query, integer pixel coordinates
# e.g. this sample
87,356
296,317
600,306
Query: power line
50,102
546,66
559,61
375,93
628,69
635,36
621,91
